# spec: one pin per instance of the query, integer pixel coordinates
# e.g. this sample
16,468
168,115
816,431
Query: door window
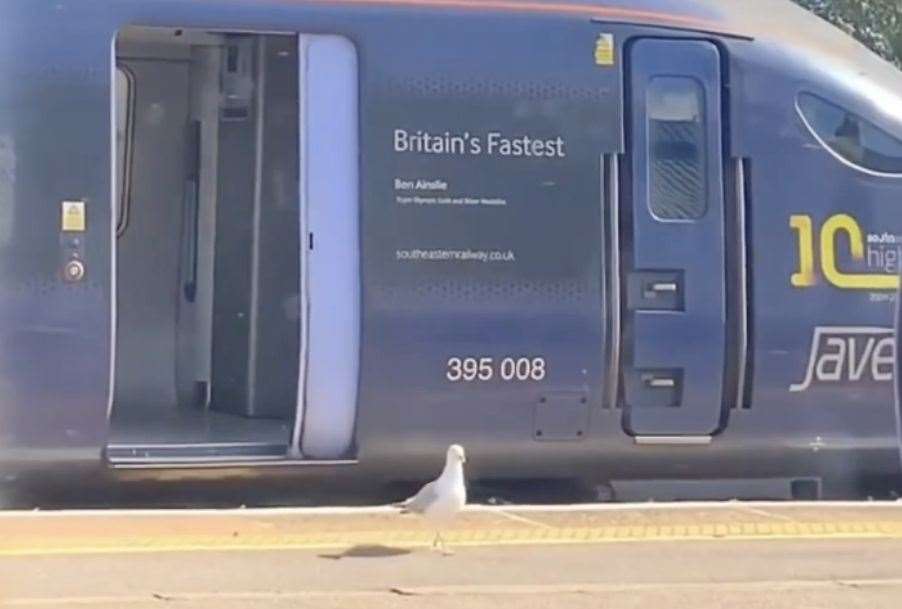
677,151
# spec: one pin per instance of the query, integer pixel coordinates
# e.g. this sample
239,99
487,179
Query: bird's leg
435,541
445,550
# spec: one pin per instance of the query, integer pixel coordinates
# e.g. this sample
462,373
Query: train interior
208,272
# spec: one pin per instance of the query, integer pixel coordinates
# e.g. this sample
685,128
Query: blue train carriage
651,243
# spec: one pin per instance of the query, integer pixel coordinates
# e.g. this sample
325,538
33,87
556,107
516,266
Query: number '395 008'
474,369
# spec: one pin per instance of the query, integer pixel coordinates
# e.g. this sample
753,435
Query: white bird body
443,498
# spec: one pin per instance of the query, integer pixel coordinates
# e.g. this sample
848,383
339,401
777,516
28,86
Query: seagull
440,500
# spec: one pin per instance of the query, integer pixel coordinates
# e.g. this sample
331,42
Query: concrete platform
682,555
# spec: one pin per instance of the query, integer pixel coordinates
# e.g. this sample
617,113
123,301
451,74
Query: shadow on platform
368,551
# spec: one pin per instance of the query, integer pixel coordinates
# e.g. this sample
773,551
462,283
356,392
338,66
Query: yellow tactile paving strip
99,533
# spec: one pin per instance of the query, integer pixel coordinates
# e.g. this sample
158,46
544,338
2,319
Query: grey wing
422,500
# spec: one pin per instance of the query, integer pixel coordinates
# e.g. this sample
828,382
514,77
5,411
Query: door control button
74,270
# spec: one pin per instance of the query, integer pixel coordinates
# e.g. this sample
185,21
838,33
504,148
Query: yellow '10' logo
840,223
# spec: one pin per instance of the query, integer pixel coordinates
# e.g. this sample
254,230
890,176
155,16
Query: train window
677,151
850,137
124,97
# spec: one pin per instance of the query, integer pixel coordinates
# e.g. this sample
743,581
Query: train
651,246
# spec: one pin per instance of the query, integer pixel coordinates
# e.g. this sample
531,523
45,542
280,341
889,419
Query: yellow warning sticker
74,216
604,50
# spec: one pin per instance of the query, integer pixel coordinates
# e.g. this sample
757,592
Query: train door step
672,440
206,456
152,434
235,452
776,489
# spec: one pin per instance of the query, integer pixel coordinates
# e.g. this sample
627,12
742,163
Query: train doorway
235,340
206,344
673,244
